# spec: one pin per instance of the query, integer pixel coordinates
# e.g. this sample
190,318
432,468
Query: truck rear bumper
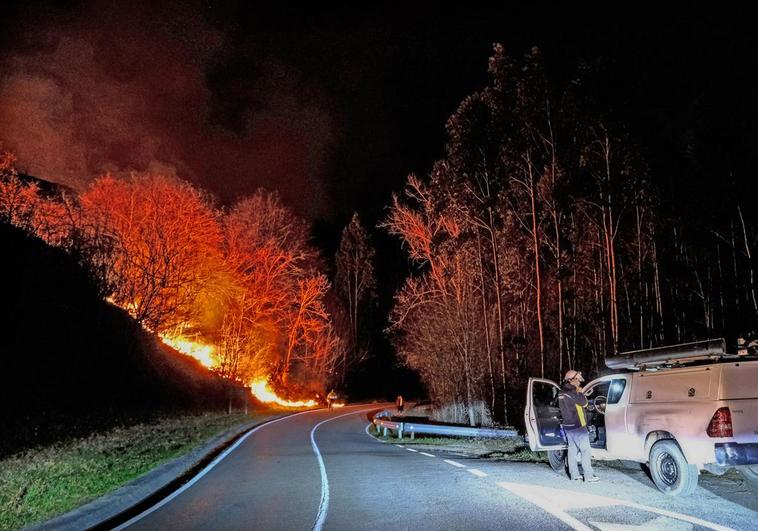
736,453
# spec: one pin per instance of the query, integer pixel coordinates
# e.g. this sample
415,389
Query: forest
544,242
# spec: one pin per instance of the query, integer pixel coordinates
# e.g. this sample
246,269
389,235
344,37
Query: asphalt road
321,469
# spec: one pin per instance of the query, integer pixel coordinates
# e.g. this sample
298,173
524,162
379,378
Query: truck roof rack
673,355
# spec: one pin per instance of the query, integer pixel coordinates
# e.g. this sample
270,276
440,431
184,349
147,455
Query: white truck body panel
673,403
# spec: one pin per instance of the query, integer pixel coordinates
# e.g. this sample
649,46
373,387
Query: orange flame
263,392
203,353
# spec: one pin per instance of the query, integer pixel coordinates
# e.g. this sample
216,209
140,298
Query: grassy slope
41,482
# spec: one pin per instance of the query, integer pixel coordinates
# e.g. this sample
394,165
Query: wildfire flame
206,355
263,392
203,353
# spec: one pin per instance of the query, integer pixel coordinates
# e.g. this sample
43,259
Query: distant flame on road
263,392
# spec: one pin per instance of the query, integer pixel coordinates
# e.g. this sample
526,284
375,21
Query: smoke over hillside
85,90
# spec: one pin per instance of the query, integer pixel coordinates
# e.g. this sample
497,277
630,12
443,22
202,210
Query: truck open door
542,416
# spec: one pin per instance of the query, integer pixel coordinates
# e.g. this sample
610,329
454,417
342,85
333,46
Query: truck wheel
557,460
671,472
750,473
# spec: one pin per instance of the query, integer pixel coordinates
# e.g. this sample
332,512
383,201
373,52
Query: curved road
320,469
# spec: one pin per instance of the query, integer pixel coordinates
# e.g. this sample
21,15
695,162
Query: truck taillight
721,423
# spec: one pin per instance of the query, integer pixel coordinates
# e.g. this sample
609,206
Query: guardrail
413,428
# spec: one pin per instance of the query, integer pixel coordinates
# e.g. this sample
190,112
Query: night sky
334,107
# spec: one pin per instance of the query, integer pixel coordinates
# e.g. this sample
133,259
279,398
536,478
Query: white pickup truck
678,409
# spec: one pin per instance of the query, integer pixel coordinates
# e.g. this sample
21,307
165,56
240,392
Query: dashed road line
454,463
426,454
400,446
411,450
478,473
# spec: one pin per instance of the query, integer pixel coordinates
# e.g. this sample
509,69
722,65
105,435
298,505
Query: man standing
572,403
330,398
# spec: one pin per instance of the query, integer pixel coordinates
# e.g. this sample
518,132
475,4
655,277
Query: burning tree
278,270
18,199
166,245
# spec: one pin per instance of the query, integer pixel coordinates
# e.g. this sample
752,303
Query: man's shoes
592,479
577,478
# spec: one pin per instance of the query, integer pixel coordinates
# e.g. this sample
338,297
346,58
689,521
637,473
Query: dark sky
334,107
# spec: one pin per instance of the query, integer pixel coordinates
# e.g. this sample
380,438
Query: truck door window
548,414
616,390
545,396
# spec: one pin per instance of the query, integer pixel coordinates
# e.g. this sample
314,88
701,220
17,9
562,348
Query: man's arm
580,398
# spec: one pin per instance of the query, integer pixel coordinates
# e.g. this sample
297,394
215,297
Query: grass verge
505,449
39,483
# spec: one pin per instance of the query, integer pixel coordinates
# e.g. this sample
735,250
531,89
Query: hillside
71,362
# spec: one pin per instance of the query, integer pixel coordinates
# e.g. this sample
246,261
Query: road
321,470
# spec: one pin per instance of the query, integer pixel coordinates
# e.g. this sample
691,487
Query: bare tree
355,282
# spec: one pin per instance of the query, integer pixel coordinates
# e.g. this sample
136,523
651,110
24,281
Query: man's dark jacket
572,404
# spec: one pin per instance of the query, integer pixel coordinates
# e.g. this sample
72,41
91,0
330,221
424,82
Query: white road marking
546,504
454,463
660,523
426,454
204,471
411,450
478,472
323,506
558,501
400,446
678,516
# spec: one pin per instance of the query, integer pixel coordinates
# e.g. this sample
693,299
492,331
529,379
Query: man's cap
573,375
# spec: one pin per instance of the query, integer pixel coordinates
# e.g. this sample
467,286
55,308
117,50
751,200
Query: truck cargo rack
672,356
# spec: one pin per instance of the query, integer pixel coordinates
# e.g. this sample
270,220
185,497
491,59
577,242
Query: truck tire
557,460
750,473
671,472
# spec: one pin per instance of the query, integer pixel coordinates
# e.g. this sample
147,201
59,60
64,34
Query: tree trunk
498,299
537,274
485,320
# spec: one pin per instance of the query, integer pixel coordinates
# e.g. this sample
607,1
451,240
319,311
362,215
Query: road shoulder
108,510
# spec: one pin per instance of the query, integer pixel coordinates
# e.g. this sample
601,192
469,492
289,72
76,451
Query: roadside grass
502,449
42,482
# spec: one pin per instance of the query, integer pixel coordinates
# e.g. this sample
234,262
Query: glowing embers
262,391
205,354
